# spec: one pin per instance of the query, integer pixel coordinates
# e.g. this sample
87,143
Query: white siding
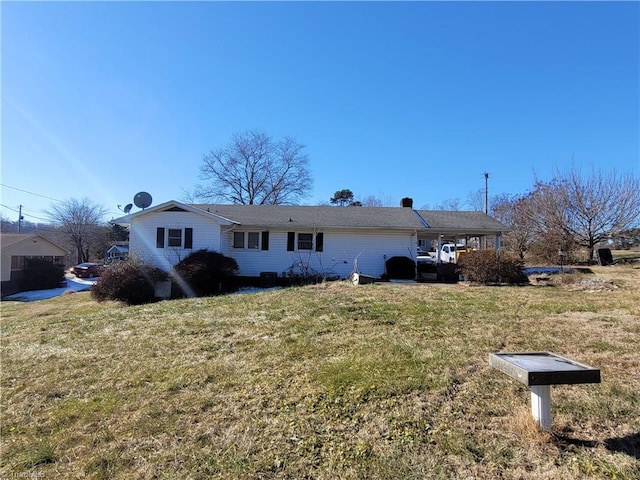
142,242
340,251
341,247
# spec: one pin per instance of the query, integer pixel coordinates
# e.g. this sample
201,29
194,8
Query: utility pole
486,203
19,217
486,193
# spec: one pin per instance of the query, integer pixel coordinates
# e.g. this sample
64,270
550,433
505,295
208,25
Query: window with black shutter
188,238
160,237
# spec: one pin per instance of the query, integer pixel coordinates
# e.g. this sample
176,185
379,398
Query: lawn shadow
563,441
629,445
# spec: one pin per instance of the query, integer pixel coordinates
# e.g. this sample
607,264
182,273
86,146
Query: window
305,241
17,262
254,240
160,237
175,237
238,239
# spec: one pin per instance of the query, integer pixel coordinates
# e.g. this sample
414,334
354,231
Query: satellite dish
127,208
142,200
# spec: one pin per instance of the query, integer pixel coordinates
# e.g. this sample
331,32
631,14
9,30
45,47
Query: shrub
545,249
448,272
41,274
204,273
402,268
130,281
491,266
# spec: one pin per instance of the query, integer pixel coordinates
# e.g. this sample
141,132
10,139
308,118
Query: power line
8,208
23,210
33,216
30,193
38,195
23,213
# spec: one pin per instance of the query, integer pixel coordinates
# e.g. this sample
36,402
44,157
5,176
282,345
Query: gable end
174,209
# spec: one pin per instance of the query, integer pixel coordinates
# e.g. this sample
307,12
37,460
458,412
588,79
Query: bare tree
371,201
81,221
476,201
588,209
449,204
513,212
255,169
7,226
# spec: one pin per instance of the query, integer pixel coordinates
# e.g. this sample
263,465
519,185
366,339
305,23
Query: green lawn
323,382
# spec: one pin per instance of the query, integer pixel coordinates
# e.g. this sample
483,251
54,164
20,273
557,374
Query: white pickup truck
449,252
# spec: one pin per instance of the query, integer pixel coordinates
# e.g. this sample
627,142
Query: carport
443,226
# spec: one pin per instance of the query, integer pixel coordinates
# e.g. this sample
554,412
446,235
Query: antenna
127,208
142,200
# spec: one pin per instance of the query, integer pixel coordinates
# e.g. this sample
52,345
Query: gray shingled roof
426,222
395,218
320,216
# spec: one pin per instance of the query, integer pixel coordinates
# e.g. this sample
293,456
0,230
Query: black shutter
319,242
188,238
291,241
265,240
160,237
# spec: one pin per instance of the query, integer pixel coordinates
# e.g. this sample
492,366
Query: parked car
87,270
424,257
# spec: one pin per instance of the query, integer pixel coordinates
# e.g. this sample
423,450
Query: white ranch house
285,240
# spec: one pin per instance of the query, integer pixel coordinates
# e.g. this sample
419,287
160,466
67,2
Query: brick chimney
406,202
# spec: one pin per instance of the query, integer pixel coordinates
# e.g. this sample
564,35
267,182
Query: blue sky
392,99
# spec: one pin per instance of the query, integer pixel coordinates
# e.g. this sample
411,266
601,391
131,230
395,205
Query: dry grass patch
326,381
